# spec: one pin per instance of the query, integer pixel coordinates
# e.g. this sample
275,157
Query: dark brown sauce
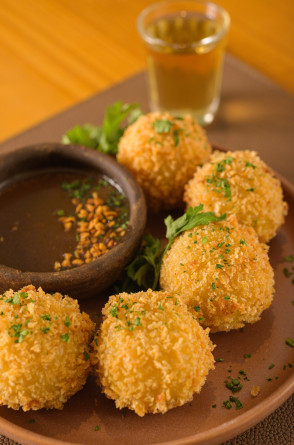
31,236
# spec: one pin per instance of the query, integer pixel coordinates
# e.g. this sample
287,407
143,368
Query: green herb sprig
143,272
104,138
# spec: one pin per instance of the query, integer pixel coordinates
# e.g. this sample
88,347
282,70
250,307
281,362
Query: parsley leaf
143,272
189,220
65,337
104,138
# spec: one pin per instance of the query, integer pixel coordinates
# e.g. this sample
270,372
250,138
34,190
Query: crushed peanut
98,228
255,390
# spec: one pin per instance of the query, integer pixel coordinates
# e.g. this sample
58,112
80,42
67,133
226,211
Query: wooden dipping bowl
88,279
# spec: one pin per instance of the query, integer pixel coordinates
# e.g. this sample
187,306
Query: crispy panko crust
151,355
43,349
240,183
163,162
222,272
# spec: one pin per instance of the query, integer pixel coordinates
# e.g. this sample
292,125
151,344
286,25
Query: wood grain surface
55,53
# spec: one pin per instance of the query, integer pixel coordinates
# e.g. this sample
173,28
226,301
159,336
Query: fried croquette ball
151,354
163,152
222,273
44,355
240,183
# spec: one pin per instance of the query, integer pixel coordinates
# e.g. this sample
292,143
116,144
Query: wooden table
55,53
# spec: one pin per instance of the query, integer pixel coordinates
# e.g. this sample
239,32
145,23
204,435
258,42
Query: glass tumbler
185,43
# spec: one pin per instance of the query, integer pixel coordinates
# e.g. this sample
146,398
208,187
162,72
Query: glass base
203,117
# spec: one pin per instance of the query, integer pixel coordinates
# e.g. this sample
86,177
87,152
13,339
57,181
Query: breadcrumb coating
44,355
240,183
151,355
163,158
222,272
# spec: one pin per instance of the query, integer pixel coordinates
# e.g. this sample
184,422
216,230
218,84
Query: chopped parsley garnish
220,166
219,266
289,342
60,212
31,421
176,137
23,294
213,285
65,337
67,321
137,321
162,125
237,402
227,404
113,311
15,299
86,355
287,273
250,190
234,386
15,330
220,360
204,240
45,330
196,308
46,317
160,306
248,164
242,241
221,185
96,428
247,355
271,366
289,258
226,297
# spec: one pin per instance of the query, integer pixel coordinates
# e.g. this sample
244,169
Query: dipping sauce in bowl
71,219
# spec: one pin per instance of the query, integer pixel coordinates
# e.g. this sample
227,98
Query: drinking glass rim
178,46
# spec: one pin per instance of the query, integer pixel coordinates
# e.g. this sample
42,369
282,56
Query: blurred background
55,53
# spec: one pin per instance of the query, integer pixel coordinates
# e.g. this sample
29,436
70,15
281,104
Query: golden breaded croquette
163,152
222,272
151,355
44,357
239,183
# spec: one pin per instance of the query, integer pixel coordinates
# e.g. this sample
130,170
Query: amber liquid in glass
185,76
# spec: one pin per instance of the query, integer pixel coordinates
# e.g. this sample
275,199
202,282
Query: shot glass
185,43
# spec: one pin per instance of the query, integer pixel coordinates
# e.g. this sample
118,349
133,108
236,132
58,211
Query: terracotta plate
199,422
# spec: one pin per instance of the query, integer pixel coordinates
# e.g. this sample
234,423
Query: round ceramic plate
199,422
